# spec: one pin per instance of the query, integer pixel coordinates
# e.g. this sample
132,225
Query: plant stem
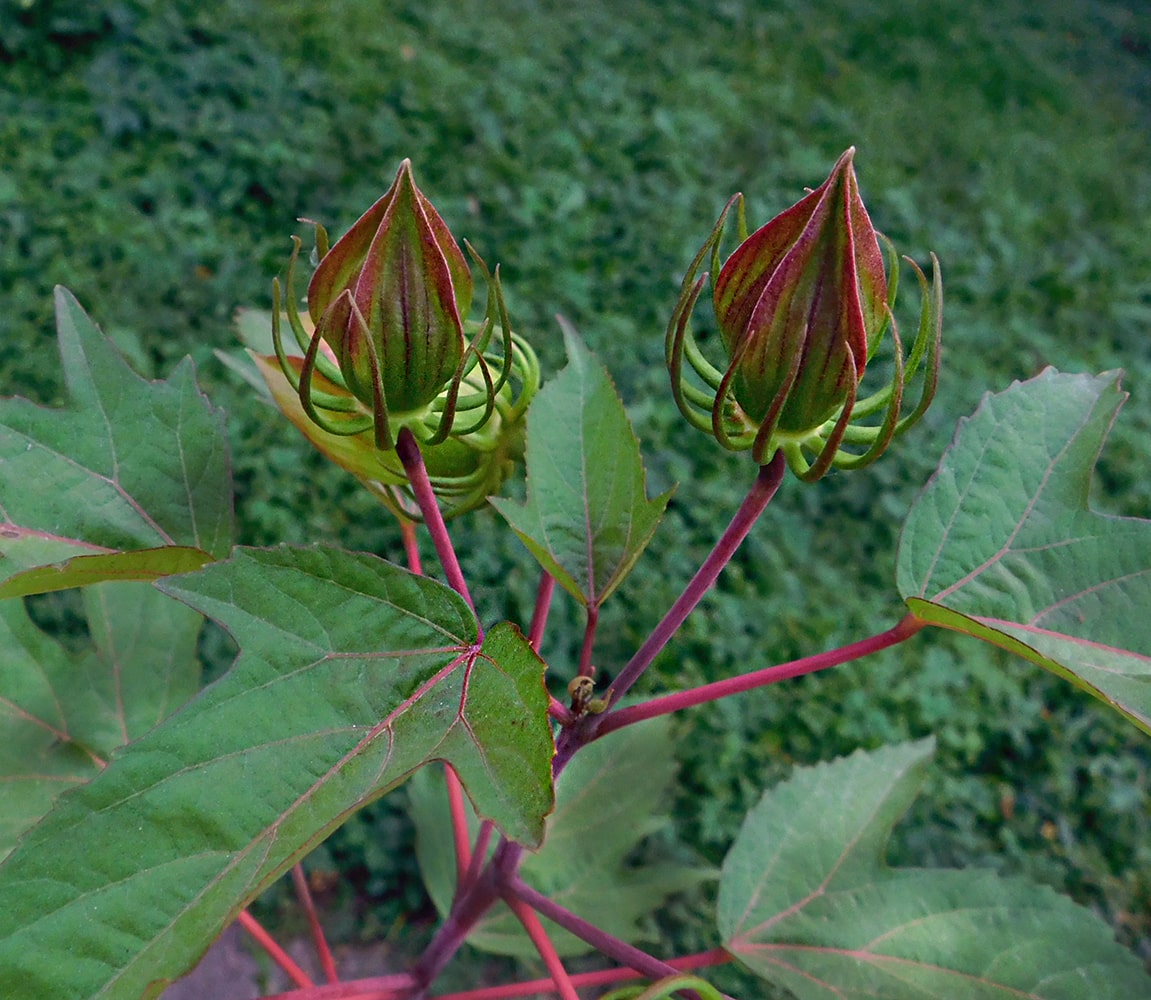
398,987
559,975
411,545
275,952
610,945
601,977
323,952
459,815
585,665
479,851
413,461
543,605
395,987
560,712
758,497
902,631
467,908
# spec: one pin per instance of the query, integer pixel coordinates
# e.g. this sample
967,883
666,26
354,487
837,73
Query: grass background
155,156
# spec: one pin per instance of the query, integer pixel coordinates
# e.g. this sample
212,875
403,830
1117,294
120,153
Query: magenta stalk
758,497
904,630
413,461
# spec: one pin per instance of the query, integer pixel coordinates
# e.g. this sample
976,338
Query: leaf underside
1002,544
807,903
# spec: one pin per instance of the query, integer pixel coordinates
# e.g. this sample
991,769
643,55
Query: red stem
396,987
399,986
559,975
585,665
560,712
543,605
467,908
411,545
460,835
601,977
413,461
324,953
479,852
609,944
275,952
904,630
758,497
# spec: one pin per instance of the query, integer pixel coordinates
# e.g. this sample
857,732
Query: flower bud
801,306
388,298
799,302
463,470
383,349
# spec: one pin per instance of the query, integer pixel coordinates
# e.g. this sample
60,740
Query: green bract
801,306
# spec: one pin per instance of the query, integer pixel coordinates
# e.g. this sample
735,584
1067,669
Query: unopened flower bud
799,302
388,298
801,306
383,342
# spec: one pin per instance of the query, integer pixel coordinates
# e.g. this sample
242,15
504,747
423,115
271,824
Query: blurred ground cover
154,157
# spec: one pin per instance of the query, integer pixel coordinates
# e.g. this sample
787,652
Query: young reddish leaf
1002,545
587,517
352,674
806,902
127,464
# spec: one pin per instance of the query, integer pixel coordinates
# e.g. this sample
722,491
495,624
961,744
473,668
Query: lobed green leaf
352,674
126,464
587,517
1003,546
807,903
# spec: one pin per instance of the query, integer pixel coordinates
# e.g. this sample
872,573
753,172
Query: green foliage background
154,157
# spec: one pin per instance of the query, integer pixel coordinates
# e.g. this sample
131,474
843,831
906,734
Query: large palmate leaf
352,674
587,517
607,801
128,464
63,713
806,902
1002,545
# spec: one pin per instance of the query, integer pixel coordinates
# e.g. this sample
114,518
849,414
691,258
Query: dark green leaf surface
806,902
352,674
607,800
127,464
39,694
1001,543
586,518
63,714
